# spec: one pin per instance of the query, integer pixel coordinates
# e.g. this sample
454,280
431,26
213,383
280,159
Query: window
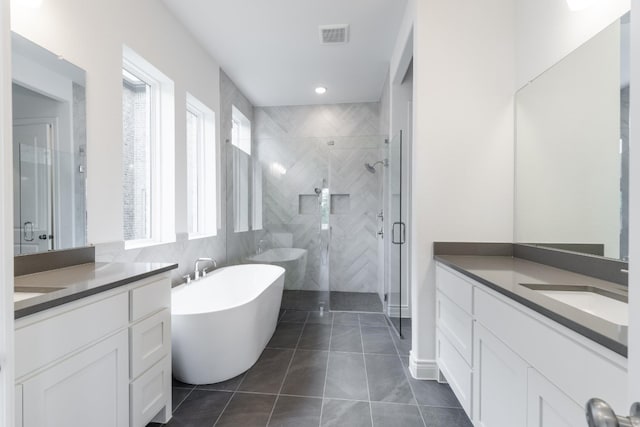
240,130
241,142
201,170
256,202
148,148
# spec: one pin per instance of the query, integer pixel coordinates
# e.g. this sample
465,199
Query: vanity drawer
150,297
60,331
456,371
458,289
150,393
150,341
456,325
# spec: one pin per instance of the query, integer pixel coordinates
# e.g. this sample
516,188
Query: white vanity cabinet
103,360
526,369
454,334
548,406
500,382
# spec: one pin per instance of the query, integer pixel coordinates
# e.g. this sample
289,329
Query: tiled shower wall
302,146
227,247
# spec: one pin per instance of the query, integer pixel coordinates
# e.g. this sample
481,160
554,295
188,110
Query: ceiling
271,48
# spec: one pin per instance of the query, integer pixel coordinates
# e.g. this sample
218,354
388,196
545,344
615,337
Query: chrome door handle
401,233
31,233
600,414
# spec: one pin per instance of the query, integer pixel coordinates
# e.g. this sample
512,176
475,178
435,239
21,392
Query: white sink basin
607,305
19,296
25,292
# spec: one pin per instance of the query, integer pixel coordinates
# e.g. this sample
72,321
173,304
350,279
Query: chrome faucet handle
196,274
187,278
600,414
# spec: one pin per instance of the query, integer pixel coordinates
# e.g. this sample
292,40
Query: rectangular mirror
572,145
49,150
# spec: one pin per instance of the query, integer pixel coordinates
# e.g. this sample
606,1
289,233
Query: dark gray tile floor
338,369
334,300
305,300
355,301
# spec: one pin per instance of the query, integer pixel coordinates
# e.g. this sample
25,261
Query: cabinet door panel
150,342
88,389
457,325
500,383
66,329
455,369
550,407
150,393
18,397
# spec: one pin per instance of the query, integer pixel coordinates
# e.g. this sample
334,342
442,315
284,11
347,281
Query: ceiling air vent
334,34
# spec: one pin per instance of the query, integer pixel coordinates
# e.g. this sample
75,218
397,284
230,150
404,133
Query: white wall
567,152
7,383
634,212
547,31
91,35
463,142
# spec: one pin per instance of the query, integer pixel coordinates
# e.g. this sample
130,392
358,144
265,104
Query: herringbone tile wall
330,144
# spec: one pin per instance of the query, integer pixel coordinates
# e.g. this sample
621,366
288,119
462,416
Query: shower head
372,167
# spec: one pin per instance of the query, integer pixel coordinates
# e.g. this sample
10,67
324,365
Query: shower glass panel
355,265
296,214
396,247
318,196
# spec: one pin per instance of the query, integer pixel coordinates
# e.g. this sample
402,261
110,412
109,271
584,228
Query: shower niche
340,204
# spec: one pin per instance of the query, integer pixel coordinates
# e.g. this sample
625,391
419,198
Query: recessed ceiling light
30,4
320,90
576,5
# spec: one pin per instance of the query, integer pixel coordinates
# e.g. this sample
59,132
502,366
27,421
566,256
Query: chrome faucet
262,243
196,273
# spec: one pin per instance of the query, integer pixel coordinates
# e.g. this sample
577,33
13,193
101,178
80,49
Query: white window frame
162,134
256,196
206,170
242,164
241,138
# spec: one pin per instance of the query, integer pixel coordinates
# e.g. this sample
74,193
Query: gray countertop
505,274
79,281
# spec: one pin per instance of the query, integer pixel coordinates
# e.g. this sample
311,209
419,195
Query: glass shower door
34,189
397,236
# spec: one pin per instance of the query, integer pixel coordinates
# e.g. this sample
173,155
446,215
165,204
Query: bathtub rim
184,286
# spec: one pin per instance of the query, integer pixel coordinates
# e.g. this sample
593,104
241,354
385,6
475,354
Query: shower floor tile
355,301
305,300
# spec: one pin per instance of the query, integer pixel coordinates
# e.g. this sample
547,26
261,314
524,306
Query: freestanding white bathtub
222,322
293,260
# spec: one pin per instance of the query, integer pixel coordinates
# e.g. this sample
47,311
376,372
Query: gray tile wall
327,143
239,245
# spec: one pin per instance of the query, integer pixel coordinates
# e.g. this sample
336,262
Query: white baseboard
424,369
395,311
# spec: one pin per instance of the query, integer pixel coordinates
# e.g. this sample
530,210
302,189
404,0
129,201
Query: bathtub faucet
196,274
262,243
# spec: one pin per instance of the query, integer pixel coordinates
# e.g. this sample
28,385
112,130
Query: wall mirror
49,150
572,145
